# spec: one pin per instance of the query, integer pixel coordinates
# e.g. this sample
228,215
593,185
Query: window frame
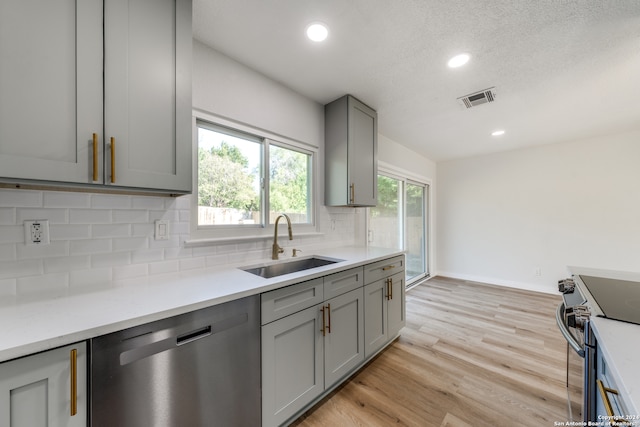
202,235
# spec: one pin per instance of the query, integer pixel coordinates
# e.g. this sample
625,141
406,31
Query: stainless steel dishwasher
196,369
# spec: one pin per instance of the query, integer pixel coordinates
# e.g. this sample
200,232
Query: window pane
228,179
385,220
289,184
416,258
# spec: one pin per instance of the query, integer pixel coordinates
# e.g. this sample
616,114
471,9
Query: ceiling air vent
478,98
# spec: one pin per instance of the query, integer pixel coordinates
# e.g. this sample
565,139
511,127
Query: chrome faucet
277,249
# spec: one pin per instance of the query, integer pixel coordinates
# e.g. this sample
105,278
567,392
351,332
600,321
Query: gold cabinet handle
353,193
386,283
329,316
388,267
324,325
95,157
390,287
607,403
113,160
74,381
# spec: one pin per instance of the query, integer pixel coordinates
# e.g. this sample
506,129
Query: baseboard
547,289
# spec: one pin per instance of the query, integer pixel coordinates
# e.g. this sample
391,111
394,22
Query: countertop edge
42,325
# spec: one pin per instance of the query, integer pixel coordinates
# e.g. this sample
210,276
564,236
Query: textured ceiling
562,69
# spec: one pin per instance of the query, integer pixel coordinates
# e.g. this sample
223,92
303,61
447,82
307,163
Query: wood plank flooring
471,355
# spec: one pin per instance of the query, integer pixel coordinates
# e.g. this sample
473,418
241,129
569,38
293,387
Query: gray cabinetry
307,347
56,127
384,300
46,389
351,153
610,401
51,86
148,93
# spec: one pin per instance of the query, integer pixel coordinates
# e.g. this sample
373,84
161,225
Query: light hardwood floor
471,355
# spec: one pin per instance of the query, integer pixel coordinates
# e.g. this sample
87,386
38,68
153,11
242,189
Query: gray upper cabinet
51,90
148,93
351,153
57,127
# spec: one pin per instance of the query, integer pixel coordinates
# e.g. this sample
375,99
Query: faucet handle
295,252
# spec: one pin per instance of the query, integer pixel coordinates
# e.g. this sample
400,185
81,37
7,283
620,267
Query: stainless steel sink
286,267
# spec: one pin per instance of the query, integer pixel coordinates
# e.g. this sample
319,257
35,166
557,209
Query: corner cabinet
46,389
351,153
57,124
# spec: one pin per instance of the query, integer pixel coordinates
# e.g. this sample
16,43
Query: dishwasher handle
193,335
565,331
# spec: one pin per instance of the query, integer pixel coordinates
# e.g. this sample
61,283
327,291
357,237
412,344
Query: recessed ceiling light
317,32
458,60
497,133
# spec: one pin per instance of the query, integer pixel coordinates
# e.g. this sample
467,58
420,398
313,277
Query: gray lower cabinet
96,93
384,300
45,389
307,352
292,365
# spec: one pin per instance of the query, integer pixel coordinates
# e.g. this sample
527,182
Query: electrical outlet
538,271
36,232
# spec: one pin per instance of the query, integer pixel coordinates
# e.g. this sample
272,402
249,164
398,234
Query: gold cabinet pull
113,160
386,283
324,325
607,403
329,316
74,381
390,287
353,193
388,267
95,157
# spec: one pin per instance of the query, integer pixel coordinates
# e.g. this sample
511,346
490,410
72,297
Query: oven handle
565,332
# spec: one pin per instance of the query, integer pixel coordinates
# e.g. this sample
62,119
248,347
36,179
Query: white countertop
30,327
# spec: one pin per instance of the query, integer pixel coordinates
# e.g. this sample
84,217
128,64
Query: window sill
196,243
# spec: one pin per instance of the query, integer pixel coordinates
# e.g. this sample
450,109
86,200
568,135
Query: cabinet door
375,317
344,340
148,93
51,90
35,391
292,365
363,154
395,305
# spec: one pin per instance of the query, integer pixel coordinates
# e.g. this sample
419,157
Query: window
399,221
245,180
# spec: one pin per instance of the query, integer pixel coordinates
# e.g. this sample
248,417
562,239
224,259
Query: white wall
502,216
233,91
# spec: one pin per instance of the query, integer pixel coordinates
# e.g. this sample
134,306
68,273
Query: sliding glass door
416,231
399,221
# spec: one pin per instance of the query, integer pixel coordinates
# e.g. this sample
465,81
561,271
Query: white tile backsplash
97,238
7,216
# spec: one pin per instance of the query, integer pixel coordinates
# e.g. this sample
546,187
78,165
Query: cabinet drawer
343,282
291,299
384,268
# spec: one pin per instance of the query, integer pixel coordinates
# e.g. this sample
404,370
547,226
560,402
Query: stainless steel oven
591,294
572,317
